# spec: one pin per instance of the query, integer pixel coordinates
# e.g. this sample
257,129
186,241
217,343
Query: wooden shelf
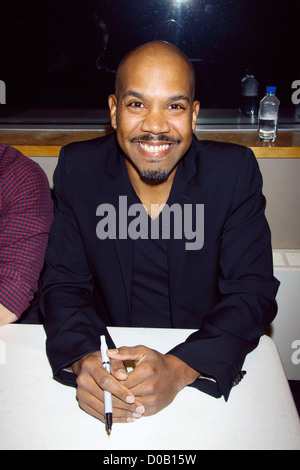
287,144
47,143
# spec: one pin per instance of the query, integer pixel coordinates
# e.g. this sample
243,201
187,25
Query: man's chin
154,177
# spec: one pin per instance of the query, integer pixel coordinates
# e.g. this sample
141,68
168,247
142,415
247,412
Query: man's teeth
154,148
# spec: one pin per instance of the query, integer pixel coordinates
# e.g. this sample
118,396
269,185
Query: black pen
107,395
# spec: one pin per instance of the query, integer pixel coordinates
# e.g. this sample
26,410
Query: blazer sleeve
70,320
247,289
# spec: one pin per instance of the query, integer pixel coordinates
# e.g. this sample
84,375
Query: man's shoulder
224,158
220,149
18,167
221,163
12,156
82,162
88,149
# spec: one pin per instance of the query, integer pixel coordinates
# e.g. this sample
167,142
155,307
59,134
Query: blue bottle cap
271,90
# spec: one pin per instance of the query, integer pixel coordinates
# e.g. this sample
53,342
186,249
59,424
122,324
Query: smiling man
155,114
154,123
225,290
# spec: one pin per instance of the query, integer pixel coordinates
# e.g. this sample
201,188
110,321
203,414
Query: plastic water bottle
268,116
249,95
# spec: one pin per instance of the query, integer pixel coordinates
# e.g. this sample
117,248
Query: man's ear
112,103
196,108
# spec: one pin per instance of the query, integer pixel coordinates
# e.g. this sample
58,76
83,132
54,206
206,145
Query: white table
36,412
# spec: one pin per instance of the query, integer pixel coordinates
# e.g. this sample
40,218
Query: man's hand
156,378
93,379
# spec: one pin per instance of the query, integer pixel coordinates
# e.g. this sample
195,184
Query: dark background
63,54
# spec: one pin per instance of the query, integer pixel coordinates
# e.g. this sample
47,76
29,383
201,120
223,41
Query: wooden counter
47,143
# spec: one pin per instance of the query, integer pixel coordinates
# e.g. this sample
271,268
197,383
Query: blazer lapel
116,190
184,193
176,257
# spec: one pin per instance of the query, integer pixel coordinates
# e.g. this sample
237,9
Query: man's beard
154,177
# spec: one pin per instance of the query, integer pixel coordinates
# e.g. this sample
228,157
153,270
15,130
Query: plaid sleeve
26,215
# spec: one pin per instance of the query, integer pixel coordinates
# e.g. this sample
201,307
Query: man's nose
155,122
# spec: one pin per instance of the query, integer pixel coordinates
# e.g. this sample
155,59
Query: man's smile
151,150
154,148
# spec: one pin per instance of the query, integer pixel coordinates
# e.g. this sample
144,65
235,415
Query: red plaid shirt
26,214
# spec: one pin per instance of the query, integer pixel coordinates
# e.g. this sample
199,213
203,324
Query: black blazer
226,290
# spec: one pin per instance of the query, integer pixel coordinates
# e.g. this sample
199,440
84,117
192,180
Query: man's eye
176,106
136,104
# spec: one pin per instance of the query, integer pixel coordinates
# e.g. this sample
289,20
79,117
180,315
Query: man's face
153,113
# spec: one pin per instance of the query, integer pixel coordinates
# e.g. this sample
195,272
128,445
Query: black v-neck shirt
150,289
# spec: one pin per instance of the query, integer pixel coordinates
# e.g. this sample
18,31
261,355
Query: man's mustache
155,138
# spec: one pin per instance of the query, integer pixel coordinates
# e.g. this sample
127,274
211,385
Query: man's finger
119,415
107,382
127,353
118,369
